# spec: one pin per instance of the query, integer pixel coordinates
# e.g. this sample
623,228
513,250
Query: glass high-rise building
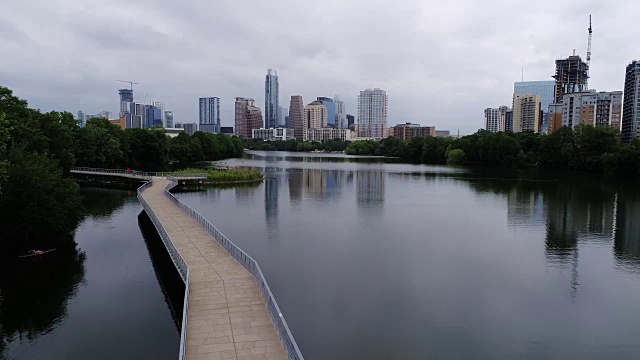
210,114
341,113
153,116
168,116
372,113
544,89
331,109
271,103
81,119
160,105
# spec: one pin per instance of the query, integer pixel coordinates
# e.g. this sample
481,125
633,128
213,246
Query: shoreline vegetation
333,146
584,148
225,176
40,203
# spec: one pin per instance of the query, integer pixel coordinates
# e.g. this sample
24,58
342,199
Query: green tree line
589,148
295,145
38,200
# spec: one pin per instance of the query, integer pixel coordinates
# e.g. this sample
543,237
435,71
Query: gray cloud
441,63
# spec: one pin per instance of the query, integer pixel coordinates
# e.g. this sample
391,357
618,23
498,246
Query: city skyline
426,55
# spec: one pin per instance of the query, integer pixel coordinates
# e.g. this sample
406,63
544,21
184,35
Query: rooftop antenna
523,71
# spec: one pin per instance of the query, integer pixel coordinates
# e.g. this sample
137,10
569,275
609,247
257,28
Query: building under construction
572,75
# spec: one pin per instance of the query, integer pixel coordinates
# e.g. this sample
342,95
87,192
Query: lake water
101,299
371,260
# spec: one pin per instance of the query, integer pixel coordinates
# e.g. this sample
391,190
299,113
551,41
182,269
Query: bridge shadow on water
168,277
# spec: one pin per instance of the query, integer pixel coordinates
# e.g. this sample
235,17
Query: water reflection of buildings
568,212
574,212
271,199
627,234
525,207
317,183
294,180
370,187
245,193
323,184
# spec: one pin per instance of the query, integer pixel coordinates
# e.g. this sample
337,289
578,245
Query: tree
207,143
185,150
4,138
60,130
38,203
146,150
364,147
591,143
99,145
393,146
455,157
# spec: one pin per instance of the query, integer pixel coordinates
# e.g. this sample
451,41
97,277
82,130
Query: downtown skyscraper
495,118
631,103
210,114
126,97
271,103
296,114
331,109
544,89
247,117
526,113
372,113
341,113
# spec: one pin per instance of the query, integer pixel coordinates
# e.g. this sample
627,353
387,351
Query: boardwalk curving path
227,316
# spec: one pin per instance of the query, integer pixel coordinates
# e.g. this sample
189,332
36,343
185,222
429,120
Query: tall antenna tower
589,48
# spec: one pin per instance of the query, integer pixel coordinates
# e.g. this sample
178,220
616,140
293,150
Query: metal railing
178,261
252,266
138,174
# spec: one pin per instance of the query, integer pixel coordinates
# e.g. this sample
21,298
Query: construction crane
129,82
589,48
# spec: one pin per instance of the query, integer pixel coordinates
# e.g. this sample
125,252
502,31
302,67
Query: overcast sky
441,62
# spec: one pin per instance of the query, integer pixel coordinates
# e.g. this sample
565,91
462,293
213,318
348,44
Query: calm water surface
99,300
393,261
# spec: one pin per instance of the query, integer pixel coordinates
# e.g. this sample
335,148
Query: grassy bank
226,176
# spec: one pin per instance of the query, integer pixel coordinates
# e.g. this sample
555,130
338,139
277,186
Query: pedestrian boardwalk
227,317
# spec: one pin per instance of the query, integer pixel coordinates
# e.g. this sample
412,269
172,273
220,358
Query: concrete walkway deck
227,316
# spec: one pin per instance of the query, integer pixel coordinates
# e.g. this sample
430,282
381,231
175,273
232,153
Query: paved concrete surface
227,317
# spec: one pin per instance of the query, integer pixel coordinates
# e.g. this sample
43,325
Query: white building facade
273,134
372,113
328,134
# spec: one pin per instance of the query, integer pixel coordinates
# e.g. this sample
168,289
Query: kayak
38,253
